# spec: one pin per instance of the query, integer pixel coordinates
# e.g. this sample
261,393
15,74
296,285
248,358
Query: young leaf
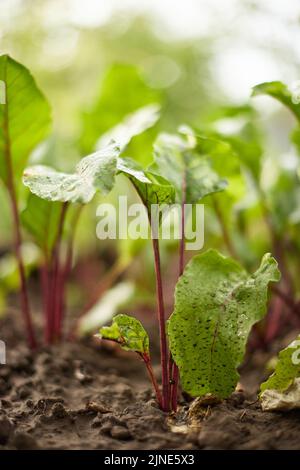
132,125
152,188
178,161
24,118
216,304
129,333
280,92
286,370
41,220
122,91
94,172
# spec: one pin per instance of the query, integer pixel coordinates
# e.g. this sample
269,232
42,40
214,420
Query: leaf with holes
216,304
24,118
128,332
93,173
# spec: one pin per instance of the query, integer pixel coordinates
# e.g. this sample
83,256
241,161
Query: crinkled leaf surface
178,160
24,118
128,332
94,172
216,304
152,188
287,368
41,220
133,124
280,92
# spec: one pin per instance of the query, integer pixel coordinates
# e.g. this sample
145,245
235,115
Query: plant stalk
162,327
148,364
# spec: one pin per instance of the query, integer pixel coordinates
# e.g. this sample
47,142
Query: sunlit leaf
24,118
93,173
133,124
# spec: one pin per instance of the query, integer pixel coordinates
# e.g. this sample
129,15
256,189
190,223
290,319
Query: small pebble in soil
119,432
59,411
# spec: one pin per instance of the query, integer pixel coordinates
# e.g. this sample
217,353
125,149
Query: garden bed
80,396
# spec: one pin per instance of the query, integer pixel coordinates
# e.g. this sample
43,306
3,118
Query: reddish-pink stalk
17,232
147,361
175,373
68,266
57,275
162,327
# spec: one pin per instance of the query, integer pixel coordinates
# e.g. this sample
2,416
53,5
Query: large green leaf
41,220
132,125
94,172
287,368
128,332
24,118
179,161
280,92
216,304
152,188
122,91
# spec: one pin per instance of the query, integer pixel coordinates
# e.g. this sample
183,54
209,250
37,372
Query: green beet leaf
128,332
24,118
179,161
152,188
216,304
286,370
132,125
93,173
280,92
41,220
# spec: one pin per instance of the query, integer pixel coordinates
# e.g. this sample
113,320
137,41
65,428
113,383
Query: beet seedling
53,193
216,301
24,122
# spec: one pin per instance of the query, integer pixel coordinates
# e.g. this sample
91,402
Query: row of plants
217,302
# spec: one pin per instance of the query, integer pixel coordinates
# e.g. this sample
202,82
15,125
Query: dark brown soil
82,396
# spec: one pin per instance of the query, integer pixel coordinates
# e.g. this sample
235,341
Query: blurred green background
97,61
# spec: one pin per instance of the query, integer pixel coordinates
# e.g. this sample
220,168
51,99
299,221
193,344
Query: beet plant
24,122
216,301
54,194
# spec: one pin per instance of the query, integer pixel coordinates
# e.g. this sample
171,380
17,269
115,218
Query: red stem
24,289
57,276
175,373
147,361
17,229
162,327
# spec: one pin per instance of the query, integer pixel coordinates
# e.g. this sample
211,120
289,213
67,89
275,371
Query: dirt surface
81,396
